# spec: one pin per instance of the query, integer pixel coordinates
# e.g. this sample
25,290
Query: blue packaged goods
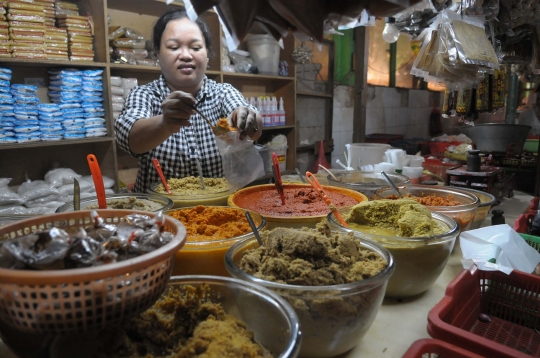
99,129
69,105
50,114
96,134
92,73
50,129
51,119
4,83
88,99
65,88
8,114
74,110
94,120
70,82
94,114
8,140
5,76
58,94
26,122
65,100
71,135
92,81
51,137
7,100
6,134
75,131
26,129
6,107
4,89
27,139
5,70
65,71
24,100
25,94
5,95
87,105
48,107
25,117
5,128
72,121
24,88
92,88
73,115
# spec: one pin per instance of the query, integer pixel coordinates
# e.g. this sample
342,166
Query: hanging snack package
482,95
464,100
498,88
472,47
427,52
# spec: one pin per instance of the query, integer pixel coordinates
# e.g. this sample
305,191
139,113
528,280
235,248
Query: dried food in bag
463,101
483,95
449,102
116,32
129,43
498,88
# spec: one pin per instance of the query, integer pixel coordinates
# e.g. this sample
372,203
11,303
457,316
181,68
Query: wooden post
361,44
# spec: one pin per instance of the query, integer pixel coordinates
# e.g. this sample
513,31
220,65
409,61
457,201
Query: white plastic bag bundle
241,162
68,189
60,176
107,182
47,204
32,190
8,196
501,244
13,210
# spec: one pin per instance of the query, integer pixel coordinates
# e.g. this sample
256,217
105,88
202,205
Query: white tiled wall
389,110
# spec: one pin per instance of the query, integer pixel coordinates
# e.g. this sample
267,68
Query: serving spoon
254,228
392,185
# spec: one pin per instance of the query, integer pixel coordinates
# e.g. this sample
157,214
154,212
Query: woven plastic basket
77,300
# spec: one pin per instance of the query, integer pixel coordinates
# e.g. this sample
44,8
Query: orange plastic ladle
98,180
160,172
319,189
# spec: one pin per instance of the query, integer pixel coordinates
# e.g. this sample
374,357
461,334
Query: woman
158,119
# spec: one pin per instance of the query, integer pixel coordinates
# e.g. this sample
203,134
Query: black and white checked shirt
177,153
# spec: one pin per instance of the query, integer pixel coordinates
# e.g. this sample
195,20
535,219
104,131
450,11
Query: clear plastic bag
241,162
128,43
60,176
133,34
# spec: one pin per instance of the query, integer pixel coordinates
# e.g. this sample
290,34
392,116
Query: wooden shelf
252,76
49,63
130,68
52,143
289,126
314,94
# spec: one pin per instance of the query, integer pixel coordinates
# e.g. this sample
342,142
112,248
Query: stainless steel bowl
164,202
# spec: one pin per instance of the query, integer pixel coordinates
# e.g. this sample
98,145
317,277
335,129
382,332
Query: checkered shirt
177,154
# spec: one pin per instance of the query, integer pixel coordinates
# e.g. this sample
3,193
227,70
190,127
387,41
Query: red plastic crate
511,301
434,348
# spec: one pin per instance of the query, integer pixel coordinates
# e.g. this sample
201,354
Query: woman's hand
177,108
248,122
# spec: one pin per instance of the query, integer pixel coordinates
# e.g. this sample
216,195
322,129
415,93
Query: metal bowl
164,202
495,137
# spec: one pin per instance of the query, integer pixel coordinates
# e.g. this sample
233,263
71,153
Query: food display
303,206
419,240
124,201
211,231
128,203
95,245
364,181
486,202
188,191
458,204
306,267
184,323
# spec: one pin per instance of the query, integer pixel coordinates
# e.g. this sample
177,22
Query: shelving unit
36,158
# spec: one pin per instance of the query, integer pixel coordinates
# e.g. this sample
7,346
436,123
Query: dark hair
162,22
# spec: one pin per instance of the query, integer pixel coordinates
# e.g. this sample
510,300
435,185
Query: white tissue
500,242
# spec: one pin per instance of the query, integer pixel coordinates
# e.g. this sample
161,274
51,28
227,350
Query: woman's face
183,56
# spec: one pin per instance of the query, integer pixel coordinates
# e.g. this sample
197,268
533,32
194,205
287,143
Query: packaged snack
129,43
26,18
26,24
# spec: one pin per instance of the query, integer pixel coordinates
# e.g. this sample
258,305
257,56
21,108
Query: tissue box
510,301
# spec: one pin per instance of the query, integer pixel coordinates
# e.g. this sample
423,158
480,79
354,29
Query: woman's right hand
177,108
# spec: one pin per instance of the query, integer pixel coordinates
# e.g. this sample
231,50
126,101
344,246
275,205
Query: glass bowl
333,318
419,260
207,257
463,213
271,319
291,220
364,182
163,202
486,202
182,201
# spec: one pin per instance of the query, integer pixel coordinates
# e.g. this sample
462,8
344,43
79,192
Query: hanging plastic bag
241,162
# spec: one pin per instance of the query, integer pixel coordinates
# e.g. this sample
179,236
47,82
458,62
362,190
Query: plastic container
264,50
271,319
364,182
207,257
419,260
164,202
281,152
361,154
265,155
182,201
435,348
463,213
511,303
294,220
486,202
531,145
351,307
58,301
414,173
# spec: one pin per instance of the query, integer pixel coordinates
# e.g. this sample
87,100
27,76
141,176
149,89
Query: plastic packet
133,34
69,105
48,107
26,18
116,81
518,48
242,63
129,83
24,88
116,32
60,176
117,99
117,107
117,91
129,43
241,162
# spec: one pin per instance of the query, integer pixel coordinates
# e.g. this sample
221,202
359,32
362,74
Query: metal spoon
254,228
329,172
300,175
392,185
199,169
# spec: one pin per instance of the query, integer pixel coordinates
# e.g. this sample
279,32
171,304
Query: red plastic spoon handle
98,180
160,172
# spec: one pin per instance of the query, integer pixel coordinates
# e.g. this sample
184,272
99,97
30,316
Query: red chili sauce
298,202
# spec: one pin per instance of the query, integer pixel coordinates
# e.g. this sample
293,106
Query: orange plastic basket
77,300
434,348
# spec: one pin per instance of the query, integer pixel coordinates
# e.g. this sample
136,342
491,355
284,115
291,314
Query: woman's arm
240,114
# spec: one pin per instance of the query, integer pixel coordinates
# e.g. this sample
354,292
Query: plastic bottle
267,119
281,112
275,112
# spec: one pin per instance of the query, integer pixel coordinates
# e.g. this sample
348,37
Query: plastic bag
32,190
133,34
128,43
7,196
107,182
241,162
60,176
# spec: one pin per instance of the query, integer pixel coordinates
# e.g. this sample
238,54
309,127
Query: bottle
497,218
275,114
281,112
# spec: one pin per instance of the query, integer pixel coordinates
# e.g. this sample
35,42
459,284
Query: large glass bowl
463,213
419,260
182,201
207,257
294,219
364,182
486,202
333,318
163,202
272,320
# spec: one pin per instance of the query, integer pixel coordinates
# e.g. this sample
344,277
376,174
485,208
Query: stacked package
26,30
92,103
50,121
65,87
129,46
120,89
26,113
4,33
48,11
56,43
79,30
7,119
